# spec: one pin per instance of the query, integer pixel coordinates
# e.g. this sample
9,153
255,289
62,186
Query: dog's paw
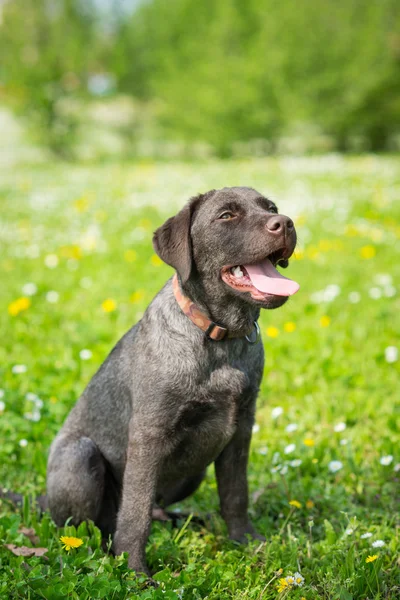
243,535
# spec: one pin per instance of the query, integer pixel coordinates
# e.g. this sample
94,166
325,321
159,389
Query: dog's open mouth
261,279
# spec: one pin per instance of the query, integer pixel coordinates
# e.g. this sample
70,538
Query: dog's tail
18,499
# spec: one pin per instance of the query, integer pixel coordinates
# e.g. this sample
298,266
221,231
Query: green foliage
272,75
48,50
85,233
233,71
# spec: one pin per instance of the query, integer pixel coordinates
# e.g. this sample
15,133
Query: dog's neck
234,314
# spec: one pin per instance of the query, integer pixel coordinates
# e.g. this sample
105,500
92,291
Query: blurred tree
232,70
47,49
219,72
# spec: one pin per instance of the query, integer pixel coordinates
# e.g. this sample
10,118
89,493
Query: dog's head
229,242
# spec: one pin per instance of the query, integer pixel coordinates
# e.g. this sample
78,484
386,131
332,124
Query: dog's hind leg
78,485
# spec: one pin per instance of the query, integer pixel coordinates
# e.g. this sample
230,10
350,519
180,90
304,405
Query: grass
329,398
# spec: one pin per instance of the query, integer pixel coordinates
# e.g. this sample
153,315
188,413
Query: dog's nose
280,224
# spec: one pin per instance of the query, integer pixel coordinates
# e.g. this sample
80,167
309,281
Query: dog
178,391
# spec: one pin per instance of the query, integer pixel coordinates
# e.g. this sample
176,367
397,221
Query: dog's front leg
144,455
231,472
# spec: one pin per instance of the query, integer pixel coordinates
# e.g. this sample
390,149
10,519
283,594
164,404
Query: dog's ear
172,240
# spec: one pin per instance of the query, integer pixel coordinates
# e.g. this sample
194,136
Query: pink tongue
267,279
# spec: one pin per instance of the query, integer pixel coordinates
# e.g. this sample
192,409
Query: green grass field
78,270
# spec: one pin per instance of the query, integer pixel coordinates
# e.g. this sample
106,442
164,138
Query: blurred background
98,79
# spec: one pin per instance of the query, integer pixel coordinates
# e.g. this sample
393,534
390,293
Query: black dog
179,390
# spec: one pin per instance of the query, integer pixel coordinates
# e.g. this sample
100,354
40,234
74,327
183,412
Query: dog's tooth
237,271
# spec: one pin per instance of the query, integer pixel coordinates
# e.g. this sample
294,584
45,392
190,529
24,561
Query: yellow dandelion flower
295,503
298,254
282,585
74,252
309,442
325,245
309,504
137,296
81,204
101,216
314,460
300,219
156,260
312,252
109,305
371,558
325,321
272,332
367,252
279,572
19,305
130,256
145,223
289,327
70,542
351,231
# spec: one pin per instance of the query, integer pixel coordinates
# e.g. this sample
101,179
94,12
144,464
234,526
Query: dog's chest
207,419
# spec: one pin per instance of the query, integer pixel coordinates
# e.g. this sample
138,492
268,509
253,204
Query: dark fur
168,401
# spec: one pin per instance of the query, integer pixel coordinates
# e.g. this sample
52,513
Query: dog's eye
273,209
227,215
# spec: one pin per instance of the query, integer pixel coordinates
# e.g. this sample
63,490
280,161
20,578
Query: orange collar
212,330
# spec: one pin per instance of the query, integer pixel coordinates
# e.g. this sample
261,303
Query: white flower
386,460
32,251
276,412
31,397
290,448
378,544
52,297
85,354
331,292
349,531
317,297
274,469
1,393
354,297
383,279
335,465
375,293
33,416
17,369
51,261
291,427
2,406
276,458
391,354
365,536
23,443
283,470
290,580
344,442
256,427
296,462
86,282
339,427
263,450
298,579
389,291
396,467
29,289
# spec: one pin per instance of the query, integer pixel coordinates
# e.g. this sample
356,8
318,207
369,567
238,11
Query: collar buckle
215,332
